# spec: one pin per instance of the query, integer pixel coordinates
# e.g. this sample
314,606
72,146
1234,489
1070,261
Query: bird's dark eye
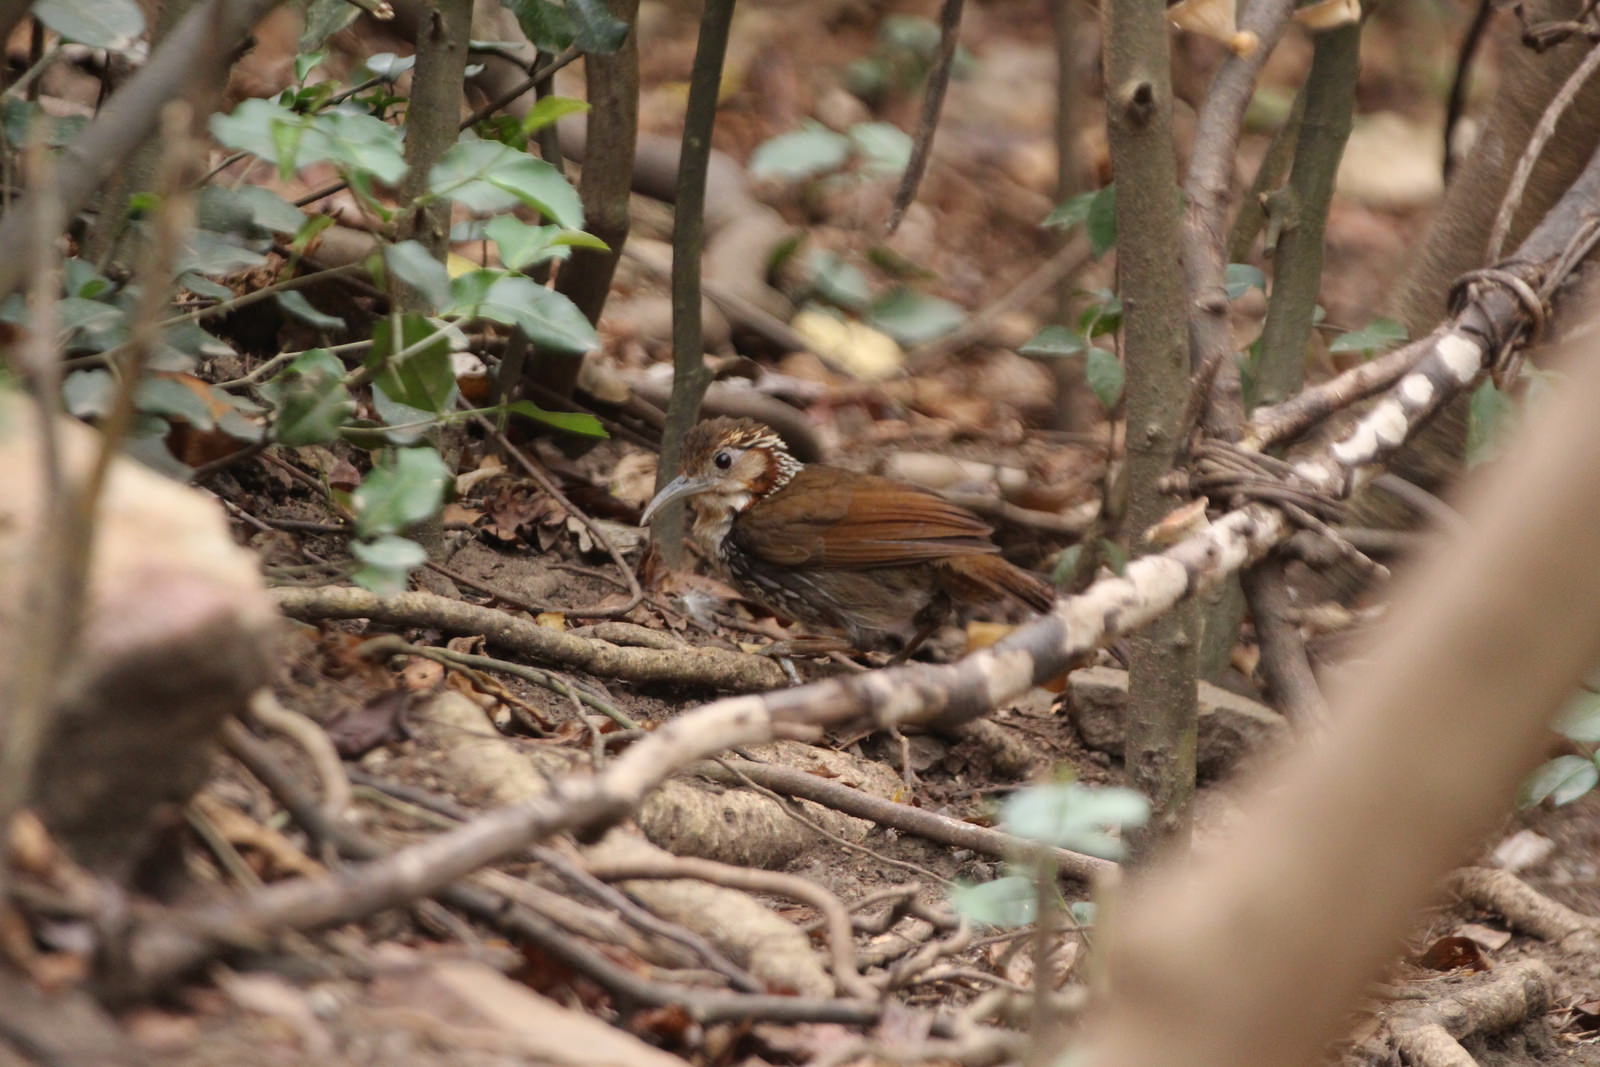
722,460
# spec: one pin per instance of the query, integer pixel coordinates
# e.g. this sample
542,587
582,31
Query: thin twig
788,807
1457,102
920,821
644,920
314,742
841,938
1208,189
928,122
1284,662
393,644
1535,148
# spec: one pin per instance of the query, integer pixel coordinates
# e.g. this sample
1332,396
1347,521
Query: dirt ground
420,985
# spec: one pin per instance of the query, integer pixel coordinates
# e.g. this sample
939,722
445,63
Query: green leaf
1116,556
1375,336
911,317
1103,316
308,59
1072,211
549,110
421,378
837,281
1007,902
1074,816
1083,912
1240,278
1580,719
413,264
885,149
367,147
83,280
487,176
573,422
804,153
1066,565
208,253
250,210
388,65
169,396
547,317
1491,418
311,398
91,317
522,245
25,120
1103,371
1101,222
323,19
358,142
405,488
89,394
599,31
190,340
1055,342
295,303
548,25
1561,781
387,563
113,24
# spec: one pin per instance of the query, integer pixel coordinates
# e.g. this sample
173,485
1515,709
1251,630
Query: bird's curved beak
679,487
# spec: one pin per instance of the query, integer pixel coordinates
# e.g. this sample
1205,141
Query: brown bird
880,561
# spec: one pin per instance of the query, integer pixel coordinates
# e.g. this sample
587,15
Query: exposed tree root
733,671
1526,909
1430,1036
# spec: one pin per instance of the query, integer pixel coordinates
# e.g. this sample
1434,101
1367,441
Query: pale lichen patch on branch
1461,356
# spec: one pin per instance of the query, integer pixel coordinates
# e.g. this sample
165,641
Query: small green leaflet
415,371
1073,816
113,24
1103,371
1491,418
522,245
1561,781
547,317
413,264
884,149
573,422
488,177
404,488
1240,278
1580,719
311,399
811,150
1054,342
1375,336
549,110
912,317
1005,902
386,563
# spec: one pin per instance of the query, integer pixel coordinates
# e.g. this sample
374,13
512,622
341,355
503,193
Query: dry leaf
357,731
1452,953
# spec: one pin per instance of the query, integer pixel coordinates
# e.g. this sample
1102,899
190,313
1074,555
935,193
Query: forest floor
424,985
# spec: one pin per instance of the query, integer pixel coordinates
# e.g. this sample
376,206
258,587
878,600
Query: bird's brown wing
830,517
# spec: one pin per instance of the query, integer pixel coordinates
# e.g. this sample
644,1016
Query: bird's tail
997,577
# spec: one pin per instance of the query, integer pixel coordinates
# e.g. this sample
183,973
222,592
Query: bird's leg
806,646
929,619
784,650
